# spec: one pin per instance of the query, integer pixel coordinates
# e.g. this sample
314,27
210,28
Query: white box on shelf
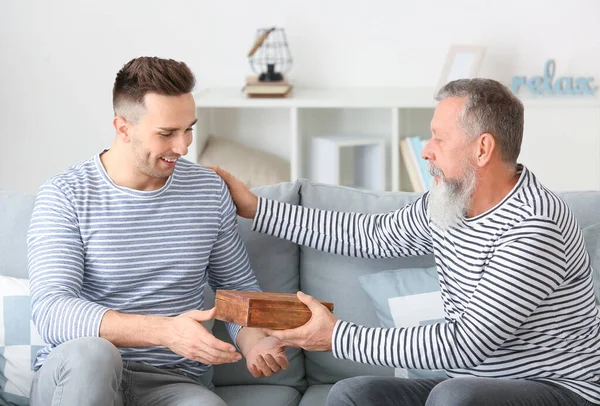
349,160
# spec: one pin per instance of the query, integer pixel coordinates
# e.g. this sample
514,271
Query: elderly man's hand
316,334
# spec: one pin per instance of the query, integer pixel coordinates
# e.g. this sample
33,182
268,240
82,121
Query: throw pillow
405,298
19,341
252,166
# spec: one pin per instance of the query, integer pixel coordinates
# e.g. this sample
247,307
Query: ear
123,128
486,146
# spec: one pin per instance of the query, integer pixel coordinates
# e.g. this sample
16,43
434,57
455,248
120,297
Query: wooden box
262,309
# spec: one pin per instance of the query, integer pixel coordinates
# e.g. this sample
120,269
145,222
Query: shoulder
541,201
542,208
75,179
192,176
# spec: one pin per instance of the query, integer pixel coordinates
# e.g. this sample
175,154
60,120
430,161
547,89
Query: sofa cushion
335,278
591,235
16,211
264,395
584,205
316,395
19,341
405,298
275,262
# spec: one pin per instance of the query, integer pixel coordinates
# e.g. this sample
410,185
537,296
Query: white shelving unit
367,112
561,141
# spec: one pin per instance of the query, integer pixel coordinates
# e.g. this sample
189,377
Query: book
281,89
411,165
257,88
262,309
417,146
253,80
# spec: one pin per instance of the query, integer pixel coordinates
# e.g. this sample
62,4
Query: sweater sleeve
522,273
56,271
401,233
229,266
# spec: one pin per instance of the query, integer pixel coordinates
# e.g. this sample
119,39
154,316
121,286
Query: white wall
59,58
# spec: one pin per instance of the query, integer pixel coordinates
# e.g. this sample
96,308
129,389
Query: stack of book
257,88
411,149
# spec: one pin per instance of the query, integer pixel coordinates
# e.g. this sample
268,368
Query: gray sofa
284,267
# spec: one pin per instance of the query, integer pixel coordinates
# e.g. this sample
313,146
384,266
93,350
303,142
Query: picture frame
462,62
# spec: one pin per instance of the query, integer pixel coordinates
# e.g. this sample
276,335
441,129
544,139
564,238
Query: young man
120,249
521,324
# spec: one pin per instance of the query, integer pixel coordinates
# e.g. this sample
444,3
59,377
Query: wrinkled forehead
446,118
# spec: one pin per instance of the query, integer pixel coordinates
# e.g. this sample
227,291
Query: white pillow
405,298
252,166
19,341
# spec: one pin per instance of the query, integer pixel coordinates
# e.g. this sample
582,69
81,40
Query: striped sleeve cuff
95,318
233,330
262,215
73,319
342,339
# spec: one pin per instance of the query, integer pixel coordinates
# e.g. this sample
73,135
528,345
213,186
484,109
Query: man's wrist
247,338
161,326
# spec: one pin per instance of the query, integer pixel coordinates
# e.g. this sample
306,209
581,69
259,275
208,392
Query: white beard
450,199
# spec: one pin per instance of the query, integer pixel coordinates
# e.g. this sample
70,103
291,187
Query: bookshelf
561,142
381,114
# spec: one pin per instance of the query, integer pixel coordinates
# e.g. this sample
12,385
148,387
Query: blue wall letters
546,85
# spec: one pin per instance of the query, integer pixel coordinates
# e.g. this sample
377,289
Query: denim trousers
90,371
382,391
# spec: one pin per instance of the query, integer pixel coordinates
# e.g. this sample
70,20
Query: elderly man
521,324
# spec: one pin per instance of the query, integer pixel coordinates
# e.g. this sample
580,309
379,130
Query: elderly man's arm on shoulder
403,232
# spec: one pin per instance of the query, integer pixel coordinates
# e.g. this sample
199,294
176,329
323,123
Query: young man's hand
187,337
245,201
266,357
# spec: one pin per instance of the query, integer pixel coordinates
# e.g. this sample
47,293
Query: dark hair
492,108
144,75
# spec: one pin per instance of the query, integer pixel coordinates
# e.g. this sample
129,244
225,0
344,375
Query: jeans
380,391
90,371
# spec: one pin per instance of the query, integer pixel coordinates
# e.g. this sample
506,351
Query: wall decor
462,62
546,85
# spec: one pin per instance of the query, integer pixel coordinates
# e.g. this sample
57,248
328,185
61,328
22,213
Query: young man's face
451,162
163,133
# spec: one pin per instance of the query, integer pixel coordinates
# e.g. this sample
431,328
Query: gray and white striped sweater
95,246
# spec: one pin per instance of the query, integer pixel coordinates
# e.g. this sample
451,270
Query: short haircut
144,75
490,107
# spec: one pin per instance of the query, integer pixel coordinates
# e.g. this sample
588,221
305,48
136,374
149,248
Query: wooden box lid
263,309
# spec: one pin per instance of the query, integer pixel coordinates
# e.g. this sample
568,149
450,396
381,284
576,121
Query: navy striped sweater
516,284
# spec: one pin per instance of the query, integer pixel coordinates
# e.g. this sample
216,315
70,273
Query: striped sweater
95,246
516,284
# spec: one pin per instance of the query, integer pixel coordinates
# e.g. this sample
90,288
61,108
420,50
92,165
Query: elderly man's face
450,159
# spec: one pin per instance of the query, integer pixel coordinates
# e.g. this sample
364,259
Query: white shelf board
350,140
555,101
321,98
410,97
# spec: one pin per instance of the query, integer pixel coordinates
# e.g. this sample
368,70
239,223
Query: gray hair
492,108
